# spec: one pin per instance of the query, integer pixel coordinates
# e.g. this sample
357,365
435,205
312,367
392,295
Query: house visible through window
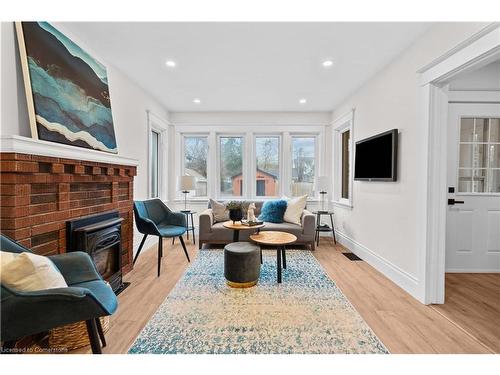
231,165
155,164
267,153
195,162
303,165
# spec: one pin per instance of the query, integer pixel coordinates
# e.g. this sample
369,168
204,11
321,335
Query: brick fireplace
39,194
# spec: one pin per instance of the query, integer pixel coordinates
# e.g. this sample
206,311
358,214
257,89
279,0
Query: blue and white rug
307,313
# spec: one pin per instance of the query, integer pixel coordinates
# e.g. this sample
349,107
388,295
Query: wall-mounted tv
376,158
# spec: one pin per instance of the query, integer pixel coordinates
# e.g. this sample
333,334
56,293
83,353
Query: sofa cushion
273,211
219,211
29,272
294,209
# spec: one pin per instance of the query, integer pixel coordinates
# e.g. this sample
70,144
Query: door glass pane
303,151
231,165
195,162
267,152
465,180
493,181
465,156
494,130
479,156
479,179
494,155
481,130
466,129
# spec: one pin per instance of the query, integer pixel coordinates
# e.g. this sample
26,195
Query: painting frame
98,135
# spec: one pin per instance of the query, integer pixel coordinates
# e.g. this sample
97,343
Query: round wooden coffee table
278,239
237,226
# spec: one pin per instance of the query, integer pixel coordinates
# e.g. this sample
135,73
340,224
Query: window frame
315,194
160,127
183,136
253,165
243,165
339,127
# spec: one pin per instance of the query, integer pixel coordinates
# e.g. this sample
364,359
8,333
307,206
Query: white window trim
339,126
253,165
183,136
318,152
244,166
160,126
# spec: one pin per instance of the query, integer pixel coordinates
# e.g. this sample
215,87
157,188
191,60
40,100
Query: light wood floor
472,301
403,324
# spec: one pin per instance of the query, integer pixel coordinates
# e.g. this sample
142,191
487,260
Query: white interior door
473,227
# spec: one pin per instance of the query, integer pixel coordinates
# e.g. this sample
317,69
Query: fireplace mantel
30,146
43,185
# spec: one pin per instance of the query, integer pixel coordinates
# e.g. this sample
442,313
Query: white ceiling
248,66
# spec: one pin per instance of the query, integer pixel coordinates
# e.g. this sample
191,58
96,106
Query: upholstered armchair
86,298
153,217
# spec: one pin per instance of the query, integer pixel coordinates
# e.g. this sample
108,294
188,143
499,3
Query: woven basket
73,336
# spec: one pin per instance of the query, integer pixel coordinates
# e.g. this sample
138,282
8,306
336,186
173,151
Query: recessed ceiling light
327,63
170,63
303,101
196,101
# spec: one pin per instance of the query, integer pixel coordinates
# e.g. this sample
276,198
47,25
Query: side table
326,228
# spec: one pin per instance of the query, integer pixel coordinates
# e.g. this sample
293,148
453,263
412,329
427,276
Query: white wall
486,78
128,103
383,225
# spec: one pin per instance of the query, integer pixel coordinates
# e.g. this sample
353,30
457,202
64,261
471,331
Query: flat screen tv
376,158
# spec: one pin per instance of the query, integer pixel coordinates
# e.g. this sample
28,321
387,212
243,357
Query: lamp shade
185,183
322,183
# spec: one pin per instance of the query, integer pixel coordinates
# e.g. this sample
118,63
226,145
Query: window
195,162
155,164
479,155
267,154
231,165
303,165
346,136
342,159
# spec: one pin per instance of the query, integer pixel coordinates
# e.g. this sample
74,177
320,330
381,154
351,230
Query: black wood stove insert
99,236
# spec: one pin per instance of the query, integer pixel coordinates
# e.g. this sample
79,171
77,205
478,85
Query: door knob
452,201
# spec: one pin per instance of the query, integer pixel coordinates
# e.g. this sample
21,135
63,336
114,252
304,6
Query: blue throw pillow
273,211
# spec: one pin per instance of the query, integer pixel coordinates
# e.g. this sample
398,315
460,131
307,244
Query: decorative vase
235,215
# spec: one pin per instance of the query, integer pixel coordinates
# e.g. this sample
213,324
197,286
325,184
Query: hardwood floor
403,324
472,301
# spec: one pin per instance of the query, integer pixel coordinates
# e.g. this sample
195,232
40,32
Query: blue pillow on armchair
273,211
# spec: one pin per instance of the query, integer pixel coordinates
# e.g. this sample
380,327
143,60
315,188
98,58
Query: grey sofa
215,233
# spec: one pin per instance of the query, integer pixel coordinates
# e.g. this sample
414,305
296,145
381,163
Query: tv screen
376,157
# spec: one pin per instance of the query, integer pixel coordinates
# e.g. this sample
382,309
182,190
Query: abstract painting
66,88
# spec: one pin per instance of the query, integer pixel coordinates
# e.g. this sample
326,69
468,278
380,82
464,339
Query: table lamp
322,186
185,184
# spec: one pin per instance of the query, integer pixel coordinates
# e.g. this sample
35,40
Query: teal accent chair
86,298
153,217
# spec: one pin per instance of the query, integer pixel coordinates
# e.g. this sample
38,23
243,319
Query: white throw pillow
219,211
29,272
294,209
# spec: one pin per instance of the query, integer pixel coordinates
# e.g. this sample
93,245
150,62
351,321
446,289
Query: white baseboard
400,277
467,270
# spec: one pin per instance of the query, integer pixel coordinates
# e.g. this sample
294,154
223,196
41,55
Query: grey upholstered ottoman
241,264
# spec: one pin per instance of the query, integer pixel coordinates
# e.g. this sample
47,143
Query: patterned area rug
307,313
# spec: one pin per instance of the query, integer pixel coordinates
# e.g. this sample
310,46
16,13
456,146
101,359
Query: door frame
477,51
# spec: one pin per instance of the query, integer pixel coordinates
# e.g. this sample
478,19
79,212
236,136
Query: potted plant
235,211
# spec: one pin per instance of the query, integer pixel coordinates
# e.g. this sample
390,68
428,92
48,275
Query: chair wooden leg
184,247
101,332
160,253
140,248
93,336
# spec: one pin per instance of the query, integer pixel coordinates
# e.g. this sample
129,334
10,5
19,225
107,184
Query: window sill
343,204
